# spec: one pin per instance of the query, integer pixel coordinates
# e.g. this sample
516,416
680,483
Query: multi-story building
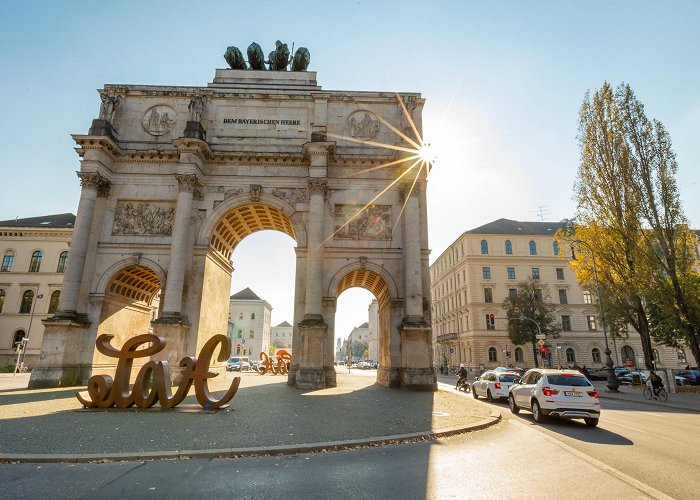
473,276
357,334
34,252
281,335
250,316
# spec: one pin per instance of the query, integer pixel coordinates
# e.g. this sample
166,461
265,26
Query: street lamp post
613,384
25,340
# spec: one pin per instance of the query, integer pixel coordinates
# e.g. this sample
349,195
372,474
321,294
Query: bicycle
661,394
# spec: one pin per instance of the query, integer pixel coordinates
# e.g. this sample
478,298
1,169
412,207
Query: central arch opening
242,278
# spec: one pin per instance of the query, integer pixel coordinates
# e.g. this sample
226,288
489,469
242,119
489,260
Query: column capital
187,182
94,181
317,185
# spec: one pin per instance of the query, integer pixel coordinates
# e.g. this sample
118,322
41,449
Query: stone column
172,302
412,254
91,183
314,269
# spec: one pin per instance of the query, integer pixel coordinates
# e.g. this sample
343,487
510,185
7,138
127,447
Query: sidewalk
265,417
680,400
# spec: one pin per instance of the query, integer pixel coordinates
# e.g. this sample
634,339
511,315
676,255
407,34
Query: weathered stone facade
165,200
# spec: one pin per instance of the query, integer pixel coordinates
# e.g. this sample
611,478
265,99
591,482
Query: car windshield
234,360
566,379
509,378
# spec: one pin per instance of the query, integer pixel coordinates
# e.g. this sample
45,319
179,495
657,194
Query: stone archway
337,171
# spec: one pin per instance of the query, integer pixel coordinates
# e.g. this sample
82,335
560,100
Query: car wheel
537,412
513,407
591,422
489,396
474,393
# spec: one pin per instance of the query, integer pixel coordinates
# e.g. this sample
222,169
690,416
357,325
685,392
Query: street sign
540,342
561,344
540,336
452,350
242,341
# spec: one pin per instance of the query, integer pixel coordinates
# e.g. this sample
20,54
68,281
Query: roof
55,220
508,226
245,294
364,325
283,324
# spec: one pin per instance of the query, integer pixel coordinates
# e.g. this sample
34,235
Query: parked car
629,377
238,364
556,393
494,385
602,372
687,377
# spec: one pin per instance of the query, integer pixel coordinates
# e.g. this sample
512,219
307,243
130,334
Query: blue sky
503,81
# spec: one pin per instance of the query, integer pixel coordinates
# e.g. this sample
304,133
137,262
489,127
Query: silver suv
555,393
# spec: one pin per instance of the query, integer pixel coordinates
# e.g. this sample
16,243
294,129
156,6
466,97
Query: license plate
573,393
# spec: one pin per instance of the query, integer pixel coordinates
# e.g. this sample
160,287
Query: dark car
602,373
692,377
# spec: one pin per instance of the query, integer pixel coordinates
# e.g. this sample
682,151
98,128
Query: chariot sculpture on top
277,60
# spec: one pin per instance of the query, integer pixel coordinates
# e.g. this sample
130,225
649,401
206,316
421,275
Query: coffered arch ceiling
367,279
245,220
136,283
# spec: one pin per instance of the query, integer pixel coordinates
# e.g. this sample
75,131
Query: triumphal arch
173,178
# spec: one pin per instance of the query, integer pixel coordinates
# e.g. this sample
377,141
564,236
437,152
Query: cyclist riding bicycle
656,382
461,374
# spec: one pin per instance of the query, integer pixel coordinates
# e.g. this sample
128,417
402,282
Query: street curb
323,447
607,395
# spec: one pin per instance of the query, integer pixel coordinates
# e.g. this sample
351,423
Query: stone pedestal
195,130
65,359
417,372
389,377
102,127
174,332
312,374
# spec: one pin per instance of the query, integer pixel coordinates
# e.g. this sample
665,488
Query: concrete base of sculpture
315,378
418,379
102,127
61,363
195,130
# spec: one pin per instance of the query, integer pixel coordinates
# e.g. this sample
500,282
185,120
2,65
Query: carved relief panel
144,218
355,223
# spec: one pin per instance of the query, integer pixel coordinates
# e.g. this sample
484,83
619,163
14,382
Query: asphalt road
638,451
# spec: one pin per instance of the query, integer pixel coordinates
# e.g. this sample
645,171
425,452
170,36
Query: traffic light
492,320
507,354
543,350
238,348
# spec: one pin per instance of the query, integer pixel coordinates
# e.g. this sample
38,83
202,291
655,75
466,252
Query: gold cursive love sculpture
279,367
153,380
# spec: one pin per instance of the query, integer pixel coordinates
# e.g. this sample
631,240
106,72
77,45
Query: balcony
446,337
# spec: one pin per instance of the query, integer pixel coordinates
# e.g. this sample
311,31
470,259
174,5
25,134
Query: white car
555,393
493,385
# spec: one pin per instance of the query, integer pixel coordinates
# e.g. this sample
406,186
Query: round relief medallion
362,125
159,120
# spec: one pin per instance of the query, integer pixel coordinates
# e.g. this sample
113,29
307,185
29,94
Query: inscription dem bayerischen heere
260,121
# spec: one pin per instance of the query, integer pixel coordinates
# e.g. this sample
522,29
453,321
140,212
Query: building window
484,247
493,354
252,315
240,315
512,293
535,273
251,335
570,355
627,353
560,273
566,323
591,323
555,248
53,303
488,295
35,263
562,296
61,268
511,273
489,326
486,273
587,299
538,294
533,247
509,248
240,334
595,354
27,300
17,338
7,261
2,298
681,356
519,358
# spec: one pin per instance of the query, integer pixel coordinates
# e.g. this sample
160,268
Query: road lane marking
643,487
